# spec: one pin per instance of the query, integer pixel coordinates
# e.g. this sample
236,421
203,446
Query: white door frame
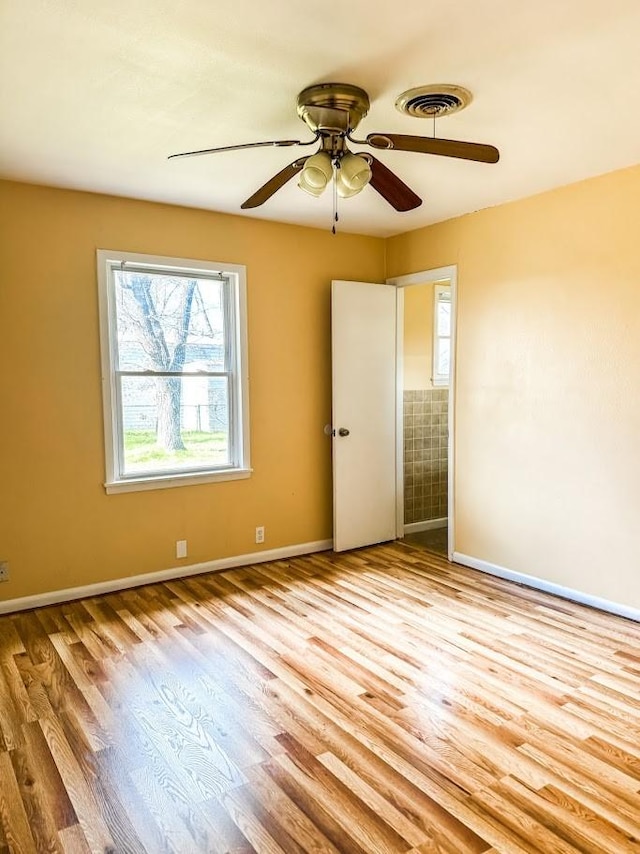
426,277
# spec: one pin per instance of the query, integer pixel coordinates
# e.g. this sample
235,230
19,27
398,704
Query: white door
363,320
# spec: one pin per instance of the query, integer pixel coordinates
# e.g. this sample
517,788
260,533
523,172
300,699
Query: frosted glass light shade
343,191
317,171
355,172
313,191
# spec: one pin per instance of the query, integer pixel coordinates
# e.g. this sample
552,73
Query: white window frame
440,380
236,323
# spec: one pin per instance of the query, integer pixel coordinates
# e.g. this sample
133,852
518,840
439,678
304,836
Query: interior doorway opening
425,376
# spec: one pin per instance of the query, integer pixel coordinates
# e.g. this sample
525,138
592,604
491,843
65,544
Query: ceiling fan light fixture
343,190
354,172
312,191
317,172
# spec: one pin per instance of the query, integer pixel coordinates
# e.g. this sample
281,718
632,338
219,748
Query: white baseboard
548,587
55,597
427,525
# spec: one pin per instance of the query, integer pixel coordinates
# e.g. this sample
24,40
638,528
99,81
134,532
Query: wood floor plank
33,791
585,831
89,816
257,824
411,834
382,701
74,841
293,820
534,835
13,815
360,821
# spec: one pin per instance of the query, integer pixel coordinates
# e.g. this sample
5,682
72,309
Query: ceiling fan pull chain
335,196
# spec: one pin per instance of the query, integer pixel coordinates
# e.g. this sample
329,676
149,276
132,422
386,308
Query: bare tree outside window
171,359
157,311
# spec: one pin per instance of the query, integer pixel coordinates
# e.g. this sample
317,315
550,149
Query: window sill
167,481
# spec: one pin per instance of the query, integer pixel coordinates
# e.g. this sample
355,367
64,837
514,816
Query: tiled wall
425,454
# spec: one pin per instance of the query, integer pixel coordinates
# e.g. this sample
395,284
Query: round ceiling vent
426,102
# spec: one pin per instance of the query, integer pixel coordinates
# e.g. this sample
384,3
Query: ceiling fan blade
432,145
273,184
279,143
391,188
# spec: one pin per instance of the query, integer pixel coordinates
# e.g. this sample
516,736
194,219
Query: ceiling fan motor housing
333,108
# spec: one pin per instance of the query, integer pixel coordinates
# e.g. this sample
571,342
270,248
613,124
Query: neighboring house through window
174,354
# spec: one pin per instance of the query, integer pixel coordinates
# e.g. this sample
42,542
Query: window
174,356
441,335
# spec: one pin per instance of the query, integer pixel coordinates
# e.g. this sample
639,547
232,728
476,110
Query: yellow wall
418,336
57,527
547,468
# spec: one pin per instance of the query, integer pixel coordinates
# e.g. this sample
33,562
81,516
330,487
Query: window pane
169,323
442,357
443,320
174,424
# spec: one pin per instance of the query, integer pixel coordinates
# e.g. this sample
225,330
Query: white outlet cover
181,548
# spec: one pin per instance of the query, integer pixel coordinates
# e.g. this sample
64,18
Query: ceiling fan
332,111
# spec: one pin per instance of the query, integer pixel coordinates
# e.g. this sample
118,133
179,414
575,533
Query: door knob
343,431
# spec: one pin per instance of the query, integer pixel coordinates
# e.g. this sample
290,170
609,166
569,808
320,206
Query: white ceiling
94,94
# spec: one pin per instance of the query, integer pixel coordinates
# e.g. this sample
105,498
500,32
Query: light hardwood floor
372,702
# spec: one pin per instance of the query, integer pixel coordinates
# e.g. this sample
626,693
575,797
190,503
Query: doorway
425,376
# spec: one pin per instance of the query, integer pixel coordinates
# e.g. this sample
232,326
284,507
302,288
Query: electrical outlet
181,548
4,570
260,534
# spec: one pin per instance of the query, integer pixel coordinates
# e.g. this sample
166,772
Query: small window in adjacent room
174,357
441,335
